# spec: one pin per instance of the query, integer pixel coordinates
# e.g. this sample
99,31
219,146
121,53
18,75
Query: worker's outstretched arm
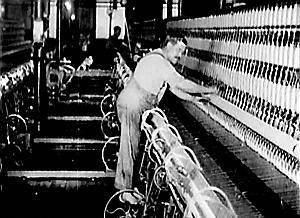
188,97
192,87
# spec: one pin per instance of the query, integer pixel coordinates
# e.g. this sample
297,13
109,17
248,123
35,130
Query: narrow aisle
64,175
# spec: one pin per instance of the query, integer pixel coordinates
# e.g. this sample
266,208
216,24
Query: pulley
16,125
110,153
108,104
110,125
117,208
160,179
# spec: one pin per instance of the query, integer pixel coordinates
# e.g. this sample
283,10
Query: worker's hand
205,94
212,90
202,98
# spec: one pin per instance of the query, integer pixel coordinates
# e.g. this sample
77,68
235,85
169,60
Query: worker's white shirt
154,72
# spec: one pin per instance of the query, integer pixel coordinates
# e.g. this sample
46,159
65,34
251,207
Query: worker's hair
173,37
116,28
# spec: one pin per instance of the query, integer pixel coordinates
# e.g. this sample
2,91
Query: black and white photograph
149,109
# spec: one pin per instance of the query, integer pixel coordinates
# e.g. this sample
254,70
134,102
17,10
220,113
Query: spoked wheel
160,179
108,104
110,125
108,90
16,125
1,166
116,208
110,153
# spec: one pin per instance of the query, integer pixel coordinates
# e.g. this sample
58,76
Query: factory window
108,17
102,20
175,8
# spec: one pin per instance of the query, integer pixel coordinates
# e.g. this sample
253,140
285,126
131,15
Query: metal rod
58,29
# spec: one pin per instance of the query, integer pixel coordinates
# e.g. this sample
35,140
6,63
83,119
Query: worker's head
174,47
117,31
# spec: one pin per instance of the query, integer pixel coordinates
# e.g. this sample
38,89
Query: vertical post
32,20
179,7
58,29
110,17
115,4
221,4
48,15
37,47
38,10
169,8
